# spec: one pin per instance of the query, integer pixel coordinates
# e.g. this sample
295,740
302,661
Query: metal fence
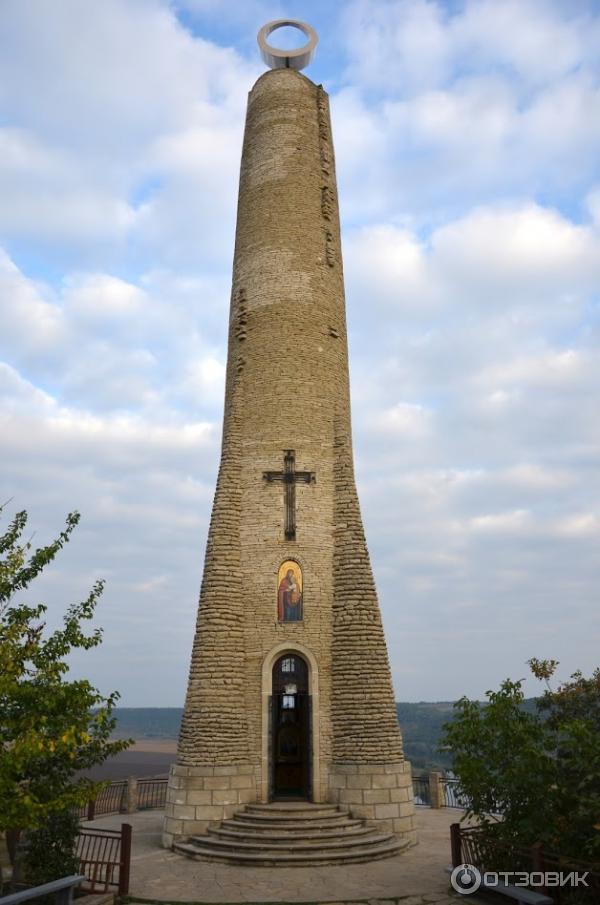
123,795
110,800
421,790
434,790
481,847
151,793
105,859
452,798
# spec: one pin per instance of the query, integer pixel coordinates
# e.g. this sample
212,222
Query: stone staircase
289,834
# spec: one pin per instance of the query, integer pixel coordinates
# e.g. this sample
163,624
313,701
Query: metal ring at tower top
287,59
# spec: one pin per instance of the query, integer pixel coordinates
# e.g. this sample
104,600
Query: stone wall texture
287,387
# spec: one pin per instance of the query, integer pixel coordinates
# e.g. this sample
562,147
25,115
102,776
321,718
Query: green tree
572,718
51,727
533,777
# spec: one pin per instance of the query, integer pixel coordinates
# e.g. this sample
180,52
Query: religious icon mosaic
289,592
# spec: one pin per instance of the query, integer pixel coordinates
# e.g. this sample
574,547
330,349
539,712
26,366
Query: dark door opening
290,742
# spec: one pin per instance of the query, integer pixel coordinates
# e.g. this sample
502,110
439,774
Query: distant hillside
421,727
421,732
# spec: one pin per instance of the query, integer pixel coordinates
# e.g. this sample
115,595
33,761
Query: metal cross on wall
289,476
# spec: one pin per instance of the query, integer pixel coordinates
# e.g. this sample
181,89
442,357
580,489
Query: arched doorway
290,729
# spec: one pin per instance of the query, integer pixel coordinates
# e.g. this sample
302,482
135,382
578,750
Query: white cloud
554,368
539,41
109,344
19,395
466,143
251,14
103,297
405,419
583,524
205,377
592,202
143,483
488,101
137,121
29,319
397,43
516,521
95,83
49,193
389,265
521,252
538,477
414,44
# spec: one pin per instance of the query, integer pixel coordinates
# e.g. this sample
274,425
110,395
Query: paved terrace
416,877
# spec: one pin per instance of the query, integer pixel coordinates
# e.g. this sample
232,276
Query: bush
534,777
50,849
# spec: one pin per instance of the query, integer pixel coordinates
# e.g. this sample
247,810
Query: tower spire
289,689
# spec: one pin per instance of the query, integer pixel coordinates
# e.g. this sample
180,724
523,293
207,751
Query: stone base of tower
199,797
381,793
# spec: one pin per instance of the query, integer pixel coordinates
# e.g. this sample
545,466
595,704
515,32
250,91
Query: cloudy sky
467,141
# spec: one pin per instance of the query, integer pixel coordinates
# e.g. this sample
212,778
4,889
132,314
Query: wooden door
291,728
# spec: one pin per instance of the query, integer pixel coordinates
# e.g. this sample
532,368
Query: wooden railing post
125,866
12,837
455,844
537,861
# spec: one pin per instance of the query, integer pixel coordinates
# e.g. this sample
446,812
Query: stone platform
414,877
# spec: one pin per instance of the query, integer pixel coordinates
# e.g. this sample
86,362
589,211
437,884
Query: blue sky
467,145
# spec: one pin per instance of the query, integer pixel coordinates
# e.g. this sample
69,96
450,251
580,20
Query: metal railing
105,859
104,866
421,790
452,797
110,800
126,796
151,793
434,790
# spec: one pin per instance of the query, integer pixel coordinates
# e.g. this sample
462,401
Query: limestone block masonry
287,388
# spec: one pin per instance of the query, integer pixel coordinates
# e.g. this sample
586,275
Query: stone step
295,809
276,835
290,846
282,819
291,834
240,822
272,858
293,804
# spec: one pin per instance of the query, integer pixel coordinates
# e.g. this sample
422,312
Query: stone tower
289,691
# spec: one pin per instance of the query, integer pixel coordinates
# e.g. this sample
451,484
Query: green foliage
572,715
51,727
540,771
51,849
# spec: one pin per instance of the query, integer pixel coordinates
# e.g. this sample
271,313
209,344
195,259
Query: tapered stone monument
289,697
